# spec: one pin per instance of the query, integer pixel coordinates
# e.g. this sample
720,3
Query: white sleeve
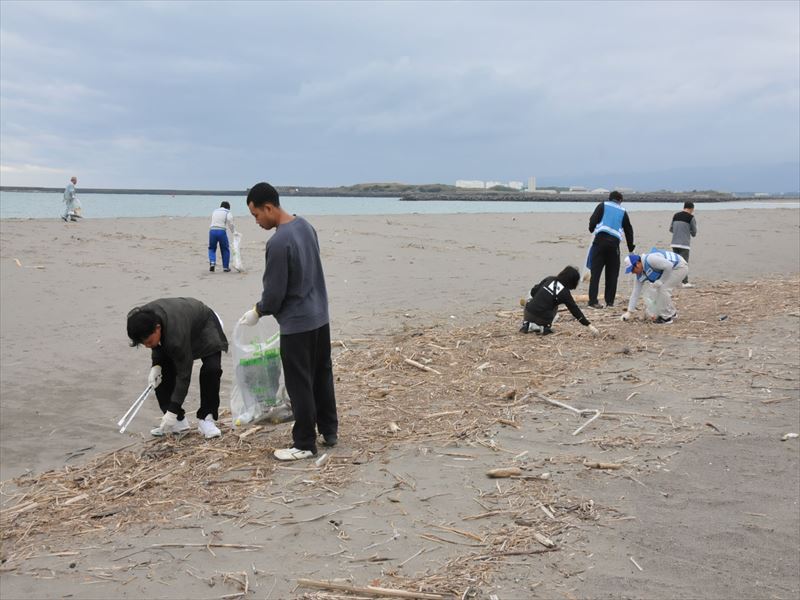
637,289
230,223
660,263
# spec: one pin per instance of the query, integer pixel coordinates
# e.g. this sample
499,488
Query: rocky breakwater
491,196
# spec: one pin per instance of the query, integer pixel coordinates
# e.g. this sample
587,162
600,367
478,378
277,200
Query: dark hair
263,193
570,277
688,204
615,196
141,324
225,204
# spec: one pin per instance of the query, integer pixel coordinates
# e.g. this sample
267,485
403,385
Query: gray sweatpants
663,297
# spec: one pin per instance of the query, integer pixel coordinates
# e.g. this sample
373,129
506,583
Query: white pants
663,306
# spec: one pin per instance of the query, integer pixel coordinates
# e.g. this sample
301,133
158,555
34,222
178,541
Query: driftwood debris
420,366
504,472
368,590
544,540
581,412
602,465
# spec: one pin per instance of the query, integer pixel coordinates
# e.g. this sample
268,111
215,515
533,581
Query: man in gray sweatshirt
294,293
683,228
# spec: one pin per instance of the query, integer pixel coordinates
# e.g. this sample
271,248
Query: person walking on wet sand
179,331
221,223
683,228
71,202
294,293
608,222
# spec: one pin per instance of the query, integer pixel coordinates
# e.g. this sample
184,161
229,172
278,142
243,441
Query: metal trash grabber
127,418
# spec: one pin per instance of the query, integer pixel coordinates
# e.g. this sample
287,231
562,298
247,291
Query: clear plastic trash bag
236,253
259,392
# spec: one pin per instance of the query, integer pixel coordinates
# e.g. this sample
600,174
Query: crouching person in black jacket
179,331
542,306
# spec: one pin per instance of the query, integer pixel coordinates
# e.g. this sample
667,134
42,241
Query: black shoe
227,270
595,305
211,268
663,321
546,330
330,440
524,328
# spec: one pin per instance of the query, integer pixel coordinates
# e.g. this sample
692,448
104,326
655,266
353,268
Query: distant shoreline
434,192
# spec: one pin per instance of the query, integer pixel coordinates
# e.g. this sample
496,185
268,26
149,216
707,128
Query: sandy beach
703,501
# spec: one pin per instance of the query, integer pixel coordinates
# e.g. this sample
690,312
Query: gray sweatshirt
294,283
683,229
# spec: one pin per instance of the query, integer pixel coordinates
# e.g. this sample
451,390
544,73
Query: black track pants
604,256
308,373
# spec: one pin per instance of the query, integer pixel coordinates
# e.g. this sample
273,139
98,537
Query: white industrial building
470,183
515,185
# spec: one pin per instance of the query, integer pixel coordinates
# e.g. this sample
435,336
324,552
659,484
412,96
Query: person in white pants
663,270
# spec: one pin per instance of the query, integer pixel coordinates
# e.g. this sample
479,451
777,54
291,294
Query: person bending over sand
179,331
542,306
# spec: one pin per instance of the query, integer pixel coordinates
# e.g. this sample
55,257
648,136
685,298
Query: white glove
626,316
595,331
658,283
154,378
168,421
249,318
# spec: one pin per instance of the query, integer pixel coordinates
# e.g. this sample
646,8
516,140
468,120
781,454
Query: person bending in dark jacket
608,223
179,331
542,307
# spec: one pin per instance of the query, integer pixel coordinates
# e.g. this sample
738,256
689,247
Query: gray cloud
221,95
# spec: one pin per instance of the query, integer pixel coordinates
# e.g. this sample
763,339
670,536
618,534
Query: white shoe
180,427
208,428
292,454
688,285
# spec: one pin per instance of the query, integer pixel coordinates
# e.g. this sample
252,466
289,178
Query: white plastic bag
653,301
236,253
259,392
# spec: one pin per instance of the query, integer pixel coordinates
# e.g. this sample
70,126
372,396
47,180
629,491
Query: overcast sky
219,96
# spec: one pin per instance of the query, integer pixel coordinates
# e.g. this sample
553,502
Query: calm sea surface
29,205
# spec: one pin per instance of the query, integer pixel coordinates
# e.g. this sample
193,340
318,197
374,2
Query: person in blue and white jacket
609,223
663,270
221,220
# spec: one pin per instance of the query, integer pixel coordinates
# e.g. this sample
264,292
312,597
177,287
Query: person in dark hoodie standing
608,222
294,292
179,331
683,228
542,305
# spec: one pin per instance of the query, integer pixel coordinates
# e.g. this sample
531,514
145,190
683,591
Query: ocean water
37,205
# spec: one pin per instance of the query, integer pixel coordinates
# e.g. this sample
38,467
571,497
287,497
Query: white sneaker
688,285
208,428
292,454
180,427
